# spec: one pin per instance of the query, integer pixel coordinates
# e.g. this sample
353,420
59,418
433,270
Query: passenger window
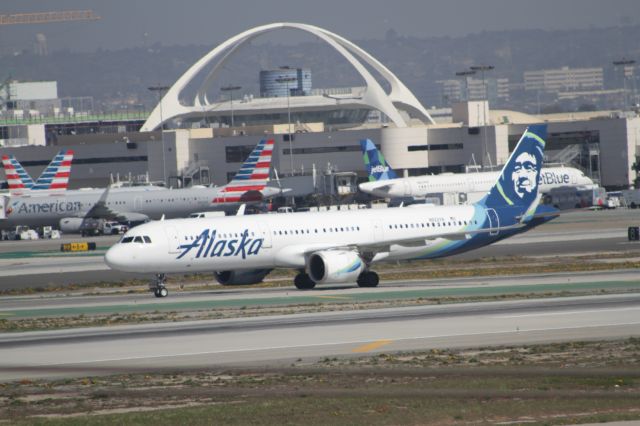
147,239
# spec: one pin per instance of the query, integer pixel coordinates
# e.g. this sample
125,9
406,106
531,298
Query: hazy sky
133,23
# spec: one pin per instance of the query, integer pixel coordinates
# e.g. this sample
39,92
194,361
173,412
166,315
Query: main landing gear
368,279
158,286
303,281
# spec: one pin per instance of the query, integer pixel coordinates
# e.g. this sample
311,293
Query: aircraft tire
368,279
304,282
163,292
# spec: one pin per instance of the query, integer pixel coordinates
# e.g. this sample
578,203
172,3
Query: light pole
483,69
287,80
230,89
160,90
624,63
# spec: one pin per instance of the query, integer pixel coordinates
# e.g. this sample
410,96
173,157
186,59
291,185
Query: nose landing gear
158,286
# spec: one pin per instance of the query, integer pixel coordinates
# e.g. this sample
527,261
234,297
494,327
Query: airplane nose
115,258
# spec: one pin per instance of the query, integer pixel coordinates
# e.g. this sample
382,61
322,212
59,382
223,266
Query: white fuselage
420,186
153,202
284,240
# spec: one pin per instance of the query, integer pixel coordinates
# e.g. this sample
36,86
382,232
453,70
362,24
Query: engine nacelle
246,277
334,266
77,225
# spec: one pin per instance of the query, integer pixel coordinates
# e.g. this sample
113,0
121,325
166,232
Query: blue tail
377,167
517,185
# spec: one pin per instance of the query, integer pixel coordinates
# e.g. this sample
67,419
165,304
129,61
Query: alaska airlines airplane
78,210
55,176
385,183
338,246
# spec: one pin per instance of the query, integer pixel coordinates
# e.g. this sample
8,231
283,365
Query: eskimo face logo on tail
207,245
525,174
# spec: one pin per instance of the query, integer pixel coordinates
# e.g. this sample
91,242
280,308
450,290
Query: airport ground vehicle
113,228
570,197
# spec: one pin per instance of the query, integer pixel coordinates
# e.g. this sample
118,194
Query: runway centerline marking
546,314
334,297
371,346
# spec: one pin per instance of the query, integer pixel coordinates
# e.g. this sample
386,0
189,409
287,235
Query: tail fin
56,175
517,185
252,176
377,167
17,177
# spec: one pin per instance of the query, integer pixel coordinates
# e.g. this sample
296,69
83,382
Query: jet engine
334,266
78,225
246,277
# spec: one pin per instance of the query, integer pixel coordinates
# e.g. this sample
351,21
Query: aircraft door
265,233
137,204
173,240
407,188
378,234
574,178
494,222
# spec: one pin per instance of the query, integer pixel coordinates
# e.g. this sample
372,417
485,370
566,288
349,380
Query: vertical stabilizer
56,175
518,183
17,177
374,161
252,176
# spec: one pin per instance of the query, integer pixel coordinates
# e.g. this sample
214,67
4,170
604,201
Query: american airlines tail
17,177
56,175
54,178
377,167
251,178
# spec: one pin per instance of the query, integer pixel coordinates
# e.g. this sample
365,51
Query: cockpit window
138,240
126,240
147,239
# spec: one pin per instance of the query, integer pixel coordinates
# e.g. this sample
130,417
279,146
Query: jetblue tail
517,185
17,177
377,167
252,176
56,175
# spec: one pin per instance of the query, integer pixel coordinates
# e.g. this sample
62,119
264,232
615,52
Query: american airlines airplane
54,178
78,210
385,183
338,246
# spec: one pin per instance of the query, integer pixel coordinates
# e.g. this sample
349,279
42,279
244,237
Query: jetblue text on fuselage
551,178
207,245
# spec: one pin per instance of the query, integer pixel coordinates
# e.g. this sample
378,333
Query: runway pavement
282,339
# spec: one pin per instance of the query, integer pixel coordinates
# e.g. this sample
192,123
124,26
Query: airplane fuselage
420,186
153,202
284,240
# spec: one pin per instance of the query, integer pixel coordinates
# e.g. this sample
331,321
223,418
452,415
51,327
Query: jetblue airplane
54,178
385,183
78,210
338,246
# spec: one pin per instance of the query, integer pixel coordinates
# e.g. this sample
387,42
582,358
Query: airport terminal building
316,131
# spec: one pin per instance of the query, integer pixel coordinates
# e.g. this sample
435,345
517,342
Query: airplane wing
100,210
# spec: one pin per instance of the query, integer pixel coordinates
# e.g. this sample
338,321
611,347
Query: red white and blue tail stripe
56,175
252,176
54,178
17,177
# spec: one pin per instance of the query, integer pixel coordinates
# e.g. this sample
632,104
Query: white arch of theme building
399,95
